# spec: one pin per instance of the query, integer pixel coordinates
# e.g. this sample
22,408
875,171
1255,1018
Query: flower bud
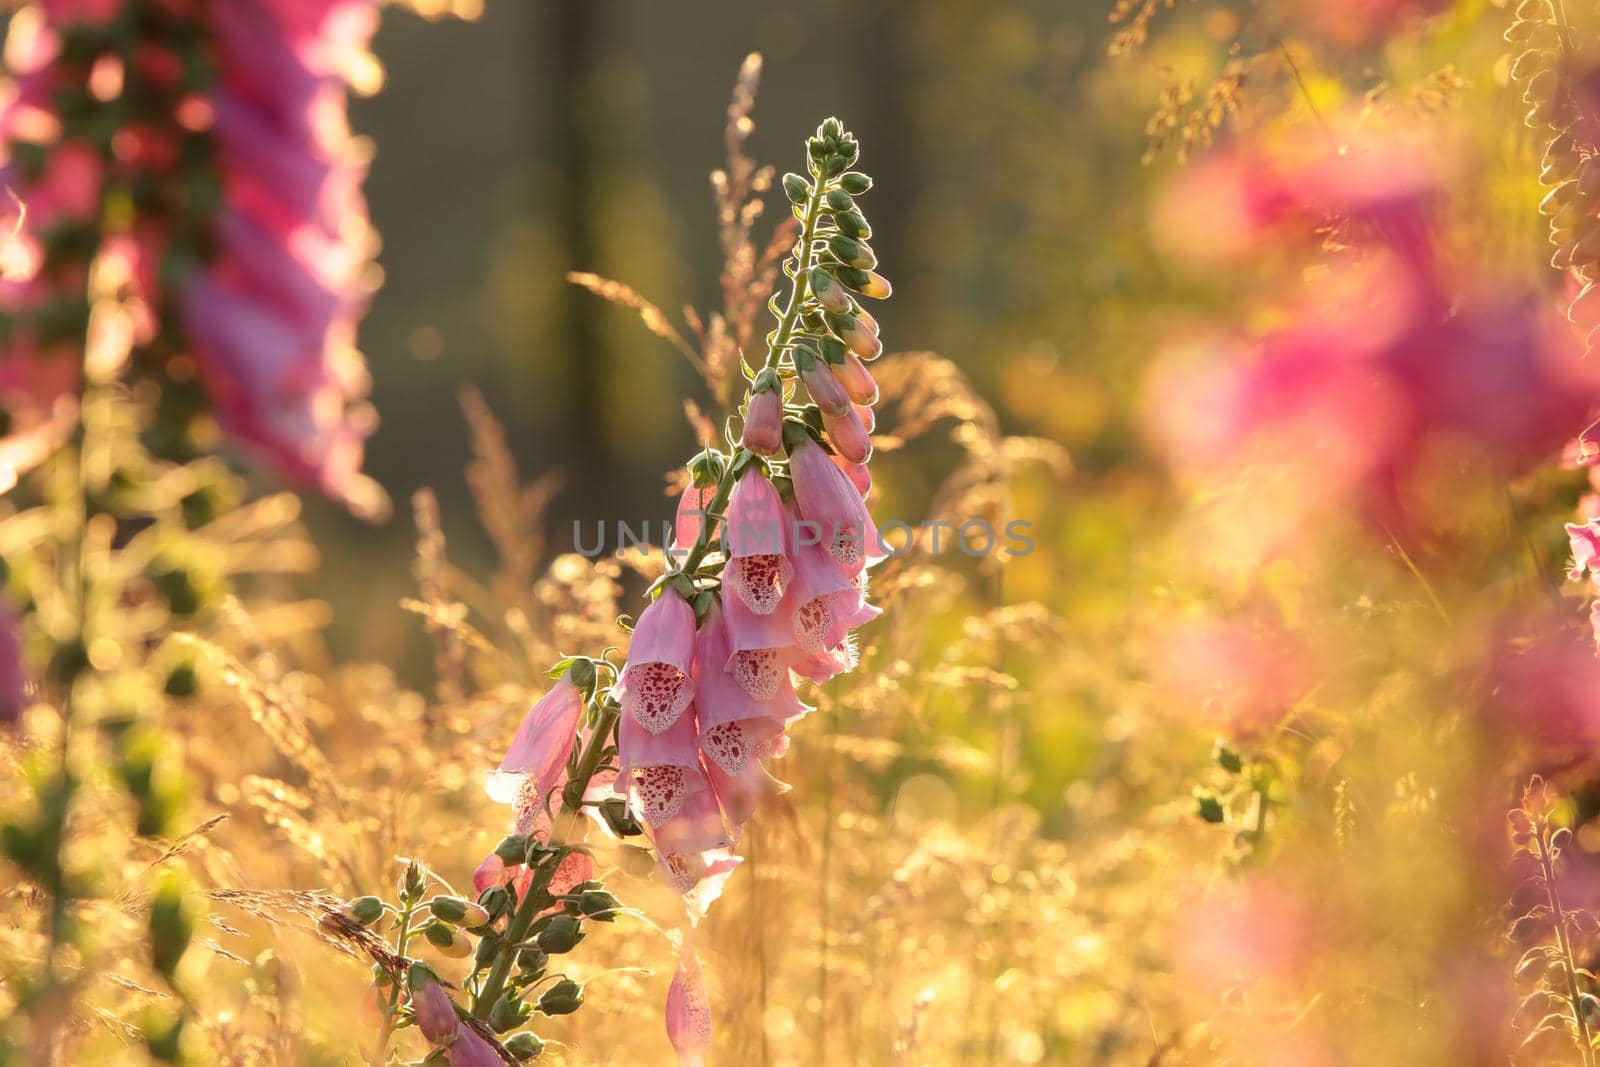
497,901
458,911
599,904
512,849
563,998
614,810
824,388
436,1015
860,340
1207,806
707,468
853,224
868,417
562,935
412,883
524,1046
364,910
763,418
447,941
855,183
866,282
839,200
851,253
857,381
532,961
796,188
488,948
829,293
508,1013
849,437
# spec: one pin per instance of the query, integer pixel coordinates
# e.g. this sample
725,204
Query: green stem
533,901
779,338
402,941
1586,1046
777,341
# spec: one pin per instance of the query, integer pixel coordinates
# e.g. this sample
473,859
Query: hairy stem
1568,964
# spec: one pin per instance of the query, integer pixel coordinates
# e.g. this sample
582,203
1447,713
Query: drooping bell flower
542,745
698,877
826,390
763,416
470,1050
688,1011
828,603
849,436
737,731
656,687
659,773
436,1016
826,497
758,568
857,381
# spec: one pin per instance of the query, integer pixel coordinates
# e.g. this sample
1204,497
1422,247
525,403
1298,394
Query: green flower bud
412,883
532,961
855,183
599,904
508,1013
488,948
866,282
562,935
707,467
563,998
163,1035
850,252
1208,807
524,1046
365,910
512,849
458,911
496,900
614,810
853,224
829,293
447,941
839,200
796,188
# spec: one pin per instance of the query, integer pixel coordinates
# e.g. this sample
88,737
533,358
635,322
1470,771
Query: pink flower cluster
705,709
1393,365
230,193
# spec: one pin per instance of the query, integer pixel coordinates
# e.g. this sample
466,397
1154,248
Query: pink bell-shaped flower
656,687
763,416
542,745
758,567
825,496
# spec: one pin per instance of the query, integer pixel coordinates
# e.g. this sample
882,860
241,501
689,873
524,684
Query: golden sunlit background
1269,318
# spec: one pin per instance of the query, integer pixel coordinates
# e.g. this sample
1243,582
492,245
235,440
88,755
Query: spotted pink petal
656,687
719,698
688,1011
